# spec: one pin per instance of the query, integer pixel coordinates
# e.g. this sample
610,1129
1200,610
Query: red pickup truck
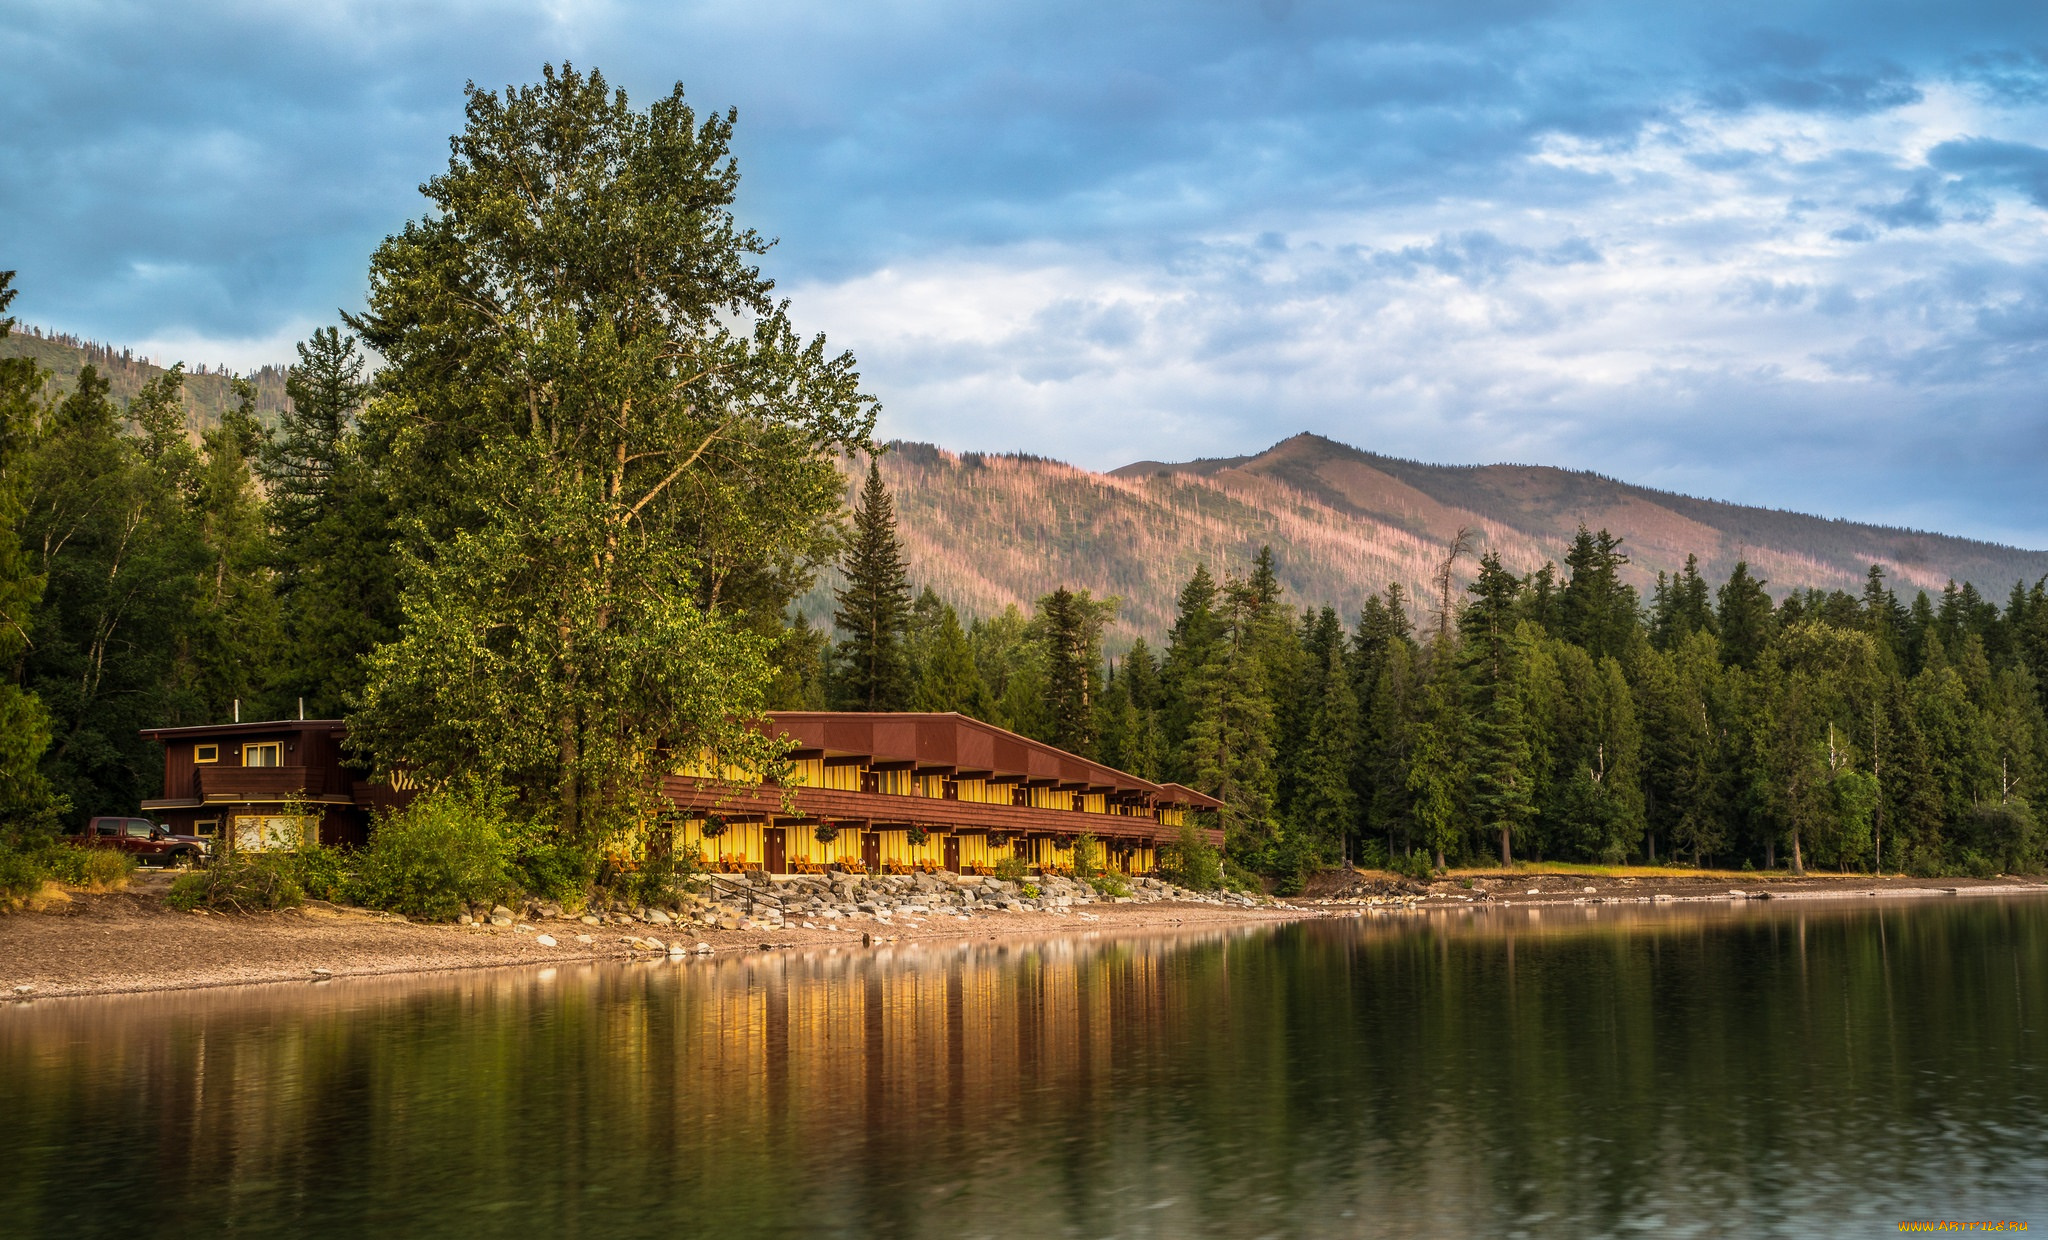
147,842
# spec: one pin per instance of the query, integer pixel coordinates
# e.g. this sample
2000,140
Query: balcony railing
258,783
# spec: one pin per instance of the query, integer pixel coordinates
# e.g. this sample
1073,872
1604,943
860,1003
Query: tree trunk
1798,866
1770,854
1506,860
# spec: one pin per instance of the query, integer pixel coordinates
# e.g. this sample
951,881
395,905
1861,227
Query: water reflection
1556,1072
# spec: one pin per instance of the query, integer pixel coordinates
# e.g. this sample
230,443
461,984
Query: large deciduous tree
598,426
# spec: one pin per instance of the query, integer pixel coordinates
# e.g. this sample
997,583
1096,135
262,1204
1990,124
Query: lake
1764,1068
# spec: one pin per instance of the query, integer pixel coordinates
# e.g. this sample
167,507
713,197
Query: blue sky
1792,254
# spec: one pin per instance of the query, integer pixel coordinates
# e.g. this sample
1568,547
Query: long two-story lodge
874,792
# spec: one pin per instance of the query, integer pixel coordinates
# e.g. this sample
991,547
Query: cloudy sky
1788,253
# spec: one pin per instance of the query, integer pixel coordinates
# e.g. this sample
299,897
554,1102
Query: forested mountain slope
208,392
986,531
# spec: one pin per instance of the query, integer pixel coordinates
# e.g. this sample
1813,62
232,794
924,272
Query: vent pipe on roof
238,710
302,710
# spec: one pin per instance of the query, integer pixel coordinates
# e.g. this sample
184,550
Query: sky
1791,254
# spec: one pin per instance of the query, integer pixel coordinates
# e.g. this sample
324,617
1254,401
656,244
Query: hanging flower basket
917,836
714,827
826,833
996,839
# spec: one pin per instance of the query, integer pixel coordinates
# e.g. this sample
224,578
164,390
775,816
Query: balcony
219,784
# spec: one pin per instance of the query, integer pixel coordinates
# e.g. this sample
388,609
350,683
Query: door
952,852
871,851
775,850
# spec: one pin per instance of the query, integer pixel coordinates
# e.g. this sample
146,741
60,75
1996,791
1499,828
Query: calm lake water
1759,1069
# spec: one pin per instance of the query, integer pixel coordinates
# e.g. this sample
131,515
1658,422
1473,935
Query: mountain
986,531
209,391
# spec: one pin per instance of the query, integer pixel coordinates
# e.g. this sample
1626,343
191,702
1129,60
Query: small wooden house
262,785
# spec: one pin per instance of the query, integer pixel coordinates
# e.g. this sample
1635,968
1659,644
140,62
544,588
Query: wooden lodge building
884,793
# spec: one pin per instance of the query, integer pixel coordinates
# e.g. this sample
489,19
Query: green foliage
1011,869
612,453
1110,884
1191,862
240,882
870,670
553,870
1030,891
322,872
446,851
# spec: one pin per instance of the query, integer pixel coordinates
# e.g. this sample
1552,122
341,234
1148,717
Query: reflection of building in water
892,1034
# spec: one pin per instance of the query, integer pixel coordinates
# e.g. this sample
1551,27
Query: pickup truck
142,839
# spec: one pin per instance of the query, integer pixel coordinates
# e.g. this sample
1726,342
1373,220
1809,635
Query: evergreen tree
1597,611
1070,626
1230,742
942,662
872,667
235,639
26,803
1189,648
332,528
1745,617
1324,812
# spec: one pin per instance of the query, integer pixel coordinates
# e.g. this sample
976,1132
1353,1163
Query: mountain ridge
987,530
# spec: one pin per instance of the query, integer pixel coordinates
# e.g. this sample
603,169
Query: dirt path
123,941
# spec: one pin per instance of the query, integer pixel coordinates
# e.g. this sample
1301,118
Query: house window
206,826
206,753
270,753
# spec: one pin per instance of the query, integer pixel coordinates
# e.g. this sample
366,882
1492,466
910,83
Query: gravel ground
110,943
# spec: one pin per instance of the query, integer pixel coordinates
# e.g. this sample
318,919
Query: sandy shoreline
129,942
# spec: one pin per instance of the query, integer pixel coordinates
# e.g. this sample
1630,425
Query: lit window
206,753
270,753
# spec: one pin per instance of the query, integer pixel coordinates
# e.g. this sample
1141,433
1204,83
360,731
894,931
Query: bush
1190,862
434,858
21,874
1372,855
1415,865
1110,883
554,871
322,872
96,869
1030,891
1011,870
240,882
1087,856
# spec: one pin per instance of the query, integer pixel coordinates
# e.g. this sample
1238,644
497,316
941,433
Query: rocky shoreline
850,904
130,941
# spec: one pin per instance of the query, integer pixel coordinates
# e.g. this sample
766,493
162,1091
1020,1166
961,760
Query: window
269,753
140,829
107,826
206,753
206,826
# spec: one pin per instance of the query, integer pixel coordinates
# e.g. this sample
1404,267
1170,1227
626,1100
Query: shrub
553,870
1372,855
1011,869
240,882
1110,883
96,869
1190,861
446,851
1030,891
21,874
1415,865
322,872
1087,856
